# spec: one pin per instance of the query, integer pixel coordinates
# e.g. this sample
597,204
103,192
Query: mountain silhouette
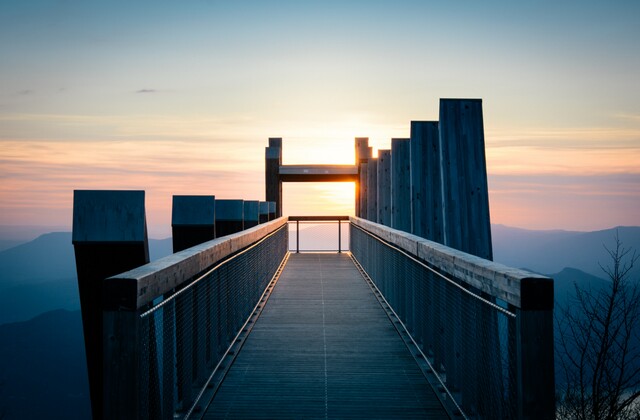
43,372
40,276
552,251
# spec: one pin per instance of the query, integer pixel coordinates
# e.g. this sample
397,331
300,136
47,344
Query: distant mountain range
43,370
40,276
552,251
44,356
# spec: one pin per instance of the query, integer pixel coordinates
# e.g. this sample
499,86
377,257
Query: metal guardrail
167,324
316,219
485,329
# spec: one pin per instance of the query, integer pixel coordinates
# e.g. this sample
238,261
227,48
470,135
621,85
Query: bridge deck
324,348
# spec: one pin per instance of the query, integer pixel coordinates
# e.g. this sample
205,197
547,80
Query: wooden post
534,349
372,190
363,153
384,187
264,211
229,217
122,399
109,237
273,185
364,191
273,213
400,185
192,220
251,213
467,225
426,181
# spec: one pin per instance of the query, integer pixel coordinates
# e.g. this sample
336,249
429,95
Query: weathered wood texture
134,289
372,190
509,284
324,348
109,236
251,213
400,185
464,177
426,181
318,173
193,220
363,153
384,187
264,211
273,185
229,217
362,196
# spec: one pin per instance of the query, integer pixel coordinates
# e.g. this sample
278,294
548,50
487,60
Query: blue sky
180,98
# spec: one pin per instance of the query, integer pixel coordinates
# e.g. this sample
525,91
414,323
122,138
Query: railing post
121,365
109,237
297,236
339,238
534,350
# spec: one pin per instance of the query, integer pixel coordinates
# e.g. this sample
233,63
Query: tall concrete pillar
364,175
229,217
193,220
363,153
372,190
264,212
251,213
272,210
109,237
273,186
384,187
467,226
426,181
400,185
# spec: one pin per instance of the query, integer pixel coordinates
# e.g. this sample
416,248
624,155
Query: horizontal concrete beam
318,173
134,289
520,288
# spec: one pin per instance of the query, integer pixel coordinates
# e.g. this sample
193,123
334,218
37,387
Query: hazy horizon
181,99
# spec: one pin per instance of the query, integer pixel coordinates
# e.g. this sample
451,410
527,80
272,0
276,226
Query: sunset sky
181,97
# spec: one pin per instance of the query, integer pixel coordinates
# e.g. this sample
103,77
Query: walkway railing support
486,329
149,353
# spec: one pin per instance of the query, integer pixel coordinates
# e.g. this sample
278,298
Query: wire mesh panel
185,333
468,337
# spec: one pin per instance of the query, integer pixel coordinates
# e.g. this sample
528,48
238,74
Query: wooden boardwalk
324,348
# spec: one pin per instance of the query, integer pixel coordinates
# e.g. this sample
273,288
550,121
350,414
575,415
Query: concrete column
384,187
109,237
272,211
364,172
263,211
273,160
426,181
467,226
251,213
193,220
372,190
400,185
229,217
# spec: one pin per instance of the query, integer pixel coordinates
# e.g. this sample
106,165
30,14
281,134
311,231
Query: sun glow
319,198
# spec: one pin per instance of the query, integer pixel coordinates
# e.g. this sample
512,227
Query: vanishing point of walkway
323,347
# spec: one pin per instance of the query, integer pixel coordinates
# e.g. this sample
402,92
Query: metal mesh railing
468,338
185,334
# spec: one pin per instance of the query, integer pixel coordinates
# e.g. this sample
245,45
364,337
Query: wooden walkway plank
324,348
